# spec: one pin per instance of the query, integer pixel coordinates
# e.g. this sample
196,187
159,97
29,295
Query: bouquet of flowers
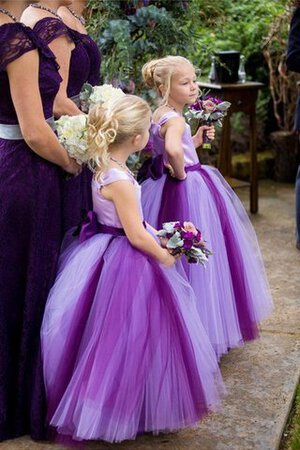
72,134
207,111
92,95
184,239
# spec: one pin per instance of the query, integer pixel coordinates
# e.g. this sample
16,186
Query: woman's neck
15,8
78,6
51,4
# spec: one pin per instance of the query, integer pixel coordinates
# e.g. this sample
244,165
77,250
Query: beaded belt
13,132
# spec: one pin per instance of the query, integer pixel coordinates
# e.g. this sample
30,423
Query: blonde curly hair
113,123
159,72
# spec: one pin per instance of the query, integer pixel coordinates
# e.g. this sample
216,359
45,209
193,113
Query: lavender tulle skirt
123,347
232,290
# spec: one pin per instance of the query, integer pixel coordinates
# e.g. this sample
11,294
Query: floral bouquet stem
206,141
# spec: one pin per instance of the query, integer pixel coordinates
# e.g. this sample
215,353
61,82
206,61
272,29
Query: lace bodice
50,28
15,40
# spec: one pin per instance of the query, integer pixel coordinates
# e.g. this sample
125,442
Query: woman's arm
173,131
62,48
123,195
23,74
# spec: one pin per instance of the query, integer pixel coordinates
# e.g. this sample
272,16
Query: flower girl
232,293
124,349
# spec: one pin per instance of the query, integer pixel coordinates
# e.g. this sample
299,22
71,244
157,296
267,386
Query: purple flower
187,235
187,244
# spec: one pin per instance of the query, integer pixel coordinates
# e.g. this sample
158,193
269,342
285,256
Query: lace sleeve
50,28
14,42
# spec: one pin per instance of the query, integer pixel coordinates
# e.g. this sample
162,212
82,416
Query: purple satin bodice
190,154
105,209
17,39
50,28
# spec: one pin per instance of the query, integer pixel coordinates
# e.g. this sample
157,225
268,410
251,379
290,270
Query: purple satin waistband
154,168
90,226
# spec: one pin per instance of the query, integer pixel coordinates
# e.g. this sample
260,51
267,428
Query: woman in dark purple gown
74,59
72,17
31,162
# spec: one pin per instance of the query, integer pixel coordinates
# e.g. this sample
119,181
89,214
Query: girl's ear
162,90
136,140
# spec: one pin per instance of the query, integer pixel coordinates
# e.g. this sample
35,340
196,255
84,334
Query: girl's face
184,88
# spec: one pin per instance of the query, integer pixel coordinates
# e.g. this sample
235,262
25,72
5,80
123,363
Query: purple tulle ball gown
232,290
124,349
30,224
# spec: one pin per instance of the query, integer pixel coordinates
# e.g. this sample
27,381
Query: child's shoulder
112,175
164,114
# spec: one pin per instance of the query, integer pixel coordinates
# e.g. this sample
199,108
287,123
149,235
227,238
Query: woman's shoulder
15,40
50,28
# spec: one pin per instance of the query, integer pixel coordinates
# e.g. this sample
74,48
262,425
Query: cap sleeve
14,42
168,115
113,175
50,28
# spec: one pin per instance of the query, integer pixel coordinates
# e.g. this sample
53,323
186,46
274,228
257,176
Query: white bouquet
92,95
72,134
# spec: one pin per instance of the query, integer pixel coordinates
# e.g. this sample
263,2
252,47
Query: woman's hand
73,167
198,137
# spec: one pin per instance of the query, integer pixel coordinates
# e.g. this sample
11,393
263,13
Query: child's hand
169,260
170,169
198,137
172,173
163,241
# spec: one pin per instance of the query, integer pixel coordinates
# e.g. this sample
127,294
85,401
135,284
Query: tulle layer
232,290
123,347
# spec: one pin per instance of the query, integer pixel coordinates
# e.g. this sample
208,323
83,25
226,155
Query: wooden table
242,97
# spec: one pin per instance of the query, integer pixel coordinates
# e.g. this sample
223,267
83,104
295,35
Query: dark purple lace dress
76,193
30,213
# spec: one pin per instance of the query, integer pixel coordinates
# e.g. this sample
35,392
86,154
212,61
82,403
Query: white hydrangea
102,94
72,133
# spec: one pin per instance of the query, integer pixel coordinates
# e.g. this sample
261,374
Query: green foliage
127,41
130,33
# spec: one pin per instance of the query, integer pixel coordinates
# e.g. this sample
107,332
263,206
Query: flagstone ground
262,376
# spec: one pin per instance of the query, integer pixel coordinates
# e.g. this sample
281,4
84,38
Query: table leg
253,168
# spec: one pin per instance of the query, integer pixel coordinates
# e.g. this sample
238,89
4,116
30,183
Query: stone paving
260,377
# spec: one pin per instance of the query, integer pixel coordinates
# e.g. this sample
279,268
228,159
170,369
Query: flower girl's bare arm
174,130
123,195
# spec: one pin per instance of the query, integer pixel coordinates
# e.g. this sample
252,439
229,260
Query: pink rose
189,226
209,106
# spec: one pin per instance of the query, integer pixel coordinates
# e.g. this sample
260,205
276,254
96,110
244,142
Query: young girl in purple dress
232,292
123,347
